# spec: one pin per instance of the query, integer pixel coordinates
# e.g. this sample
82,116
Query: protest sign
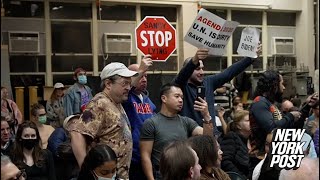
249,42
210,31
157,37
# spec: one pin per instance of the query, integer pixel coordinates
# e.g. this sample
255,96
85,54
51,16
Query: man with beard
264,114
104,120
192,75
168,126
139,107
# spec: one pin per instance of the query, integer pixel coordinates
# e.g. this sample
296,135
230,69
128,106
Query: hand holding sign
200,55
157,37
249,42
210,31
145,63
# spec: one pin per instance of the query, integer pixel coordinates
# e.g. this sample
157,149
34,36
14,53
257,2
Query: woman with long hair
54,106
27,153
99,163
210,156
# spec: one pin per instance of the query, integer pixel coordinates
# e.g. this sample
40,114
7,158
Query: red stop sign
156,36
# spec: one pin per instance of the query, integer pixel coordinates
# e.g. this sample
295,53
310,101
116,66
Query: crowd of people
117,133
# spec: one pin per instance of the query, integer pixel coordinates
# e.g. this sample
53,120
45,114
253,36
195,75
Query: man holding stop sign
157,37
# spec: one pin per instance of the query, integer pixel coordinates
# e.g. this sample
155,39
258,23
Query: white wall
305,42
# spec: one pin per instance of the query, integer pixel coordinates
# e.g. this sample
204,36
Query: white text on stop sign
158,37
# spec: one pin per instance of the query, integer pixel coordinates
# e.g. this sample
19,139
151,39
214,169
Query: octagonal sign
157,37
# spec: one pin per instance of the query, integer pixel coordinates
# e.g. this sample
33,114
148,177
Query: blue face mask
82,79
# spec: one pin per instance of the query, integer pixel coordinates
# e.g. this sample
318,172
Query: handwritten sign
249,42
210,31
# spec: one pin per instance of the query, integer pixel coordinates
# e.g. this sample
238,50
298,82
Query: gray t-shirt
163,130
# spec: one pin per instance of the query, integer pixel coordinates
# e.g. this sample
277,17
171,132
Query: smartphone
201,92
217,107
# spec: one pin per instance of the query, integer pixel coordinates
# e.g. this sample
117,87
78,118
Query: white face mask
103,178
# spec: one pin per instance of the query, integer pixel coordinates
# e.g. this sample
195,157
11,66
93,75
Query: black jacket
235,155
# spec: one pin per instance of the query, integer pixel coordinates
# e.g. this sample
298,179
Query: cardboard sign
211,32
249,42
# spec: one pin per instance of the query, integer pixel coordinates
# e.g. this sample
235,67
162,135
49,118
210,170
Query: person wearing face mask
99,164
39,117
27,153
78,95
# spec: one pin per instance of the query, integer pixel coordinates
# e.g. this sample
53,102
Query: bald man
308,170
286,106
139,107
9,170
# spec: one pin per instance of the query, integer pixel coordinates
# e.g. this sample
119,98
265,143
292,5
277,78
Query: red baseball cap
77,71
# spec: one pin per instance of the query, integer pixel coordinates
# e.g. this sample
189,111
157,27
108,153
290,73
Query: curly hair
268,85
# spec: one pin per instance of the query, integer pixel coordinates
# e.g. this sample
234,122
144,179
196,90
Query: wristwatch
207,122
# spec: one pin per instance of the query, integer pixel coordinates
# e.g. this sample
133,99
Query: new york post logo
287,148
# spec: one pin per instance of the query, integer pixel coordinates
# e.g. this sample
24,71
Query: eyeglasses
124,83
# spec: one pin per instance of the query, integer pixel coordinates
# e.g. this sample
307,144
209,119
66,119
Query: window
66,79
170,65
279,32
60,10
71,37
70,63
27,63
256,65
170,13
126,60
247,17
281,19
215,63
116,12
34,9
116,28
287,62
219,12
27,80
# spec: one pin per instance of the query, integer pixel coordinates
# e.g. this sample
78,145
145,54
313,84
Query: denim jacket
72,99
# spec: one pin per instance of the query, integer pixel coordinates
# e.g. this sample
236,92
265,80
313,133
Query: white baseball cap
116,68
58,85
67,119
